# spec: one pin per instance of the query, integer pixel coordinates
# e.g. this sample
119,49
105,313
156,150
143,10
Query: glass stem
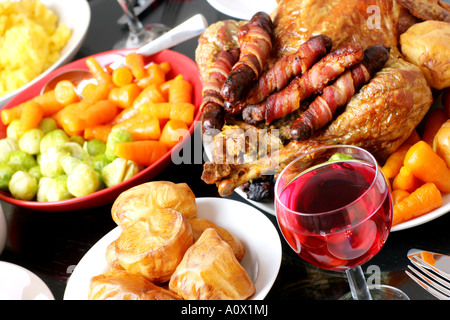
358,285
135,26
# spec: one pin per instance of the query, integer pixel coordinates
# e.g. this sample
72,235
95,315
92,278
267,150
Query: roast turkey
379,117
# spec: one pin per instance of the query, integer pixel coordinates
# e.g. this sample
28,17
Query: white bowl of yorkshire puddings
36,38
169,245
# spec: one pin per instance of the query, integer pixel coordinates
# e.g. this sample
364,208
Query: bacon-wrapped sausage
312,82
212,104
278,76
336,95
256,44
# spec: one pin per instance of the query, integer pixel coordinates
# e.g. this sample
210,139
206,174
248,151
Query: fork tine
428,284
431,290
437,277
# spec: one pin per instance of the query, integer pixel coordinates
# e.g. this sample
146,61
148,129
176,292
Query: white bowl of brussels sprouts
62,181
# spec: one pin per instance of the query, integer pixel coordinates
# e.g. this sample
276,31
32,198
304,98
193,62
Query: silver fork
428,277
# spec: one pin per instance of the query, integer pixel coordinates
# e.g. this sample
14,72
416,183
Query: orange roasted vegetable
433,123
395,161
101,112
65,92
100,132
180,91
405,180
141,127
135,62
423,200
144,152
124,96
426,165
172,132
122,76
30,117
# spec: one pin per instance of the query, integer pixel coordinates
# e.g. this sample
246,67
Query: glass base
381,292
152,31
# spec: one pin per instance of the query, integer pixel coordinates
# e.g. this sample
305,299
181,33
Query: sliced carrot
165,67
124,96
65,92
71,117
405,180
398,195
149,94
434,121
99,92
144,152
100,132
135,62
180,91
11,114
395,161
173,132
423,200
100,74
154,75
182,111
160,110
122,76
166,85
426,165
141,127
30,117
50,105
124,115
101,112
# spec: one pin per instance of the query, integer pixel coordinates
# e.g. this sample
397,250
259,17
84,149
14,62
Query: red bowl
180,64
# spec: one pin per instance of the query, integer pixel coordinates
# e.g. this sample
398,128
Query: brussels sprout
31,140
94,147
113,173
50,161
43,187
53,138
23,186
53,189
119,170
36,172
78,139
82,181
76,150
47,125
6,172
12,131
58,190
99,161
69,163
6,146
22,158
116,135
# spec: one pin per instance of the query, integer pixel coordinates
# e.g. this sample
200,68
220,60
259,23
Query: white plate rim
76,14
243,9
36,283
236,216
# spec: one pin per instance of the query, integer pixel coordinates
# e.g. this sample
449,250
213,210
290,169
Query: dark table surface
50,244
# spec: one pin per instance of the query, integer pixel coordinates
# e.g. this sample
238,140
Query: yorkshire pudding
141,200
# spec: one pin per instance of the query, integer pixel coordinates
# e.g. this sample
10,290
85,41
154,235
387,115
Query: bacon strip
278,76
312,82
212,104
334,96
256,44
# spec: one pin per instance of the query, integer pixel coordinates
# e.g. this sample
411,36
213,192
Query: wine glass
138,34
334,208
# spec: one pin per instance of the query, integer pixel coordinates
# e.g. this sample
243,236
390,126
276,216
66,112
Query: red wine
345,218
